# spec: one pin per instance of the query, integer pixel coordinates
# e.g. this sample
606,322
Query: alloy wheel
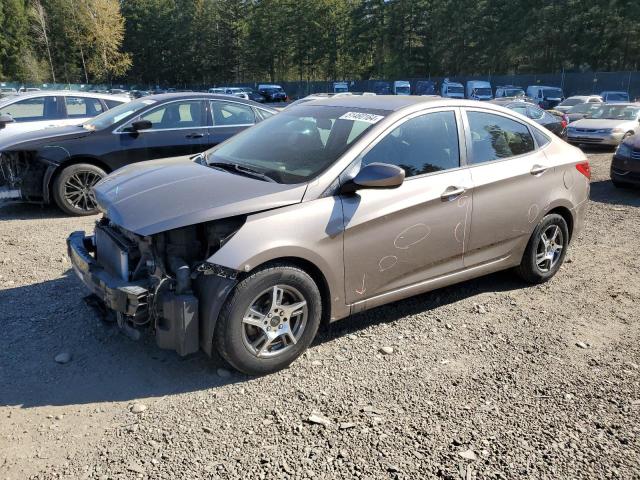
78,190
275,321
549,248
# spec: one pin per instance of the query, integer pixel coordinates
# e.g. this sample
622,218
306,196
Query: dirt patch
487,379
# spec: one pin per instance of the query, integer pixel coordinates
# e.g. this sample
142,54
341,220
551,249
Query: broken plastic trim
206,268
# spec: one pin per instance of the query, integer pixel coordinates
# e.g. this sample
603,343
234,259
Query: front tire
73,189
545,251
271,317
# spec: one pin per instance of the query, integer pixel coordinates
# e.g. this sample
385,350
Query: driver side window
174,115
424,144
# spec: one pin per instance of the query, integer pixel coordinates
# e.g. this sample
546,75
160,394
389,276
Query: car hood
36,138
160,195
597,123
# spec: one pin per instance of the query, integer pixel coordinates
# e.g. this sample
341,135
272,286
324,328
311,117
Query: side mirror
375,175
4,119
141,125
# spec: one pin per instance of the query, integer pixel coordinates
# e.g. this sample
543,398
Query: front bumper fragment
128,298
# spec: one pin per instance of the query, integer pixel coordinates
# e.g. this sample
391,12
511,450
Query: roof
373,102
161,97
65,93
399,102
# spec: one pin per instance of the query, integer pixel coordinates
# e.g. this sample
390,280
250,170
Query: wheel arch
310,269
565,213
54,170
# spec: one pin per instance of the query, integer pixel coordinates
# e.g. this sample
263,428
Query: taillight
584,168
565,121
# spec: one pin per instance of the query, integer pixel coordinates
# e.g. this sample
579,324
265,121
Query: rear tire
544,255
257,336
73,189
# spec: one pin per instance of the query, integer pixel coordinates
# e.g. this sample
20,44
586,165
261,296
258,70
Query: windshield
569,102
552,93
113,116
617,96
403,90
514,92
482,91
297,144
455,89
615,112
584,108
340,88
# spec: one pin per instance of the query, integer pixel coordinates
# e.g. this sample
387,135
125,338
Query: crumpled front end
153,281
20,177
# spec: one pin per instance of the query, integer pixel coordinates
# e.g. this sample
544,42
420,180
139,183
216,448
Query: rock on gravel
63,357
468,455
386,350
138,408
319,419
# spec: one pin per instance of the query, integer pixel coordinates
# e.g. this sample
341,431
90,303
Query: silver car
607,125
329,208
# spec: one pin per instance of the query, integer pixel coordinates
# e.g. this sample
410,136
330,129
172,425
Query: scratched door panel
395,238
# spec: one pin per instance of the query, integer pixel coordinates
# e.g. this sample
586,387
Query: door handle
452,192
195,135
538,169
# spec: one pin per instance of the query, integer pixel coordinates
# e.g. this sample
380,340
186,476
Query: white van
401,87
451,89
479,90
340,87
545,97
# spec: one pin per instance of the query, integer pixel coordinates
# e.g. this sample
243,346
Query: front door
400,237
178,129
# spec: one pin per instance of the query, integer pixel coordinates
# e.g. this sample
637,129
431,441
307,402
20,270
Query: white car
37,110
568,103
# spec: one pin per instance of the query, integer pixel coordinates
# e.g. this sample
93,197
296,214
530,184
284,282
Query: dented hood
159,195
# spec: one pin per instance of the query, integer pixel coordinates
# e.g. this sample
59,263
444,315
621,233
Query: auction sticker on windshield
363,117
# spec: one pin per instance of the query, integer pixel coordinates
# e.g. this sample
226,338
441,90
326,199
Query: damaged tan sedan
327,209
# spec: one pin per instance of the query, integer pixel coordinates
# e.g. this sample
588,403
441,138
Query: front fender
311,231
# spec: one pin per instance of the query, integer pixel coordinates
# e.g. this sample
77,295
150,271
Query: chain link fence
571,83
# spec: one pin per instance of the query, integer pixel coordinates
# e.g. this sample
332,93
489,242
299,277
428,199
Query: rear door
512,184
226,118
400,237
80,109
34,113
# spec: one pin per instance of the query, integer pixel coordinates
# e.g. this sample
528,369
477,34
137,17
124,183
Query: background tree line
206,42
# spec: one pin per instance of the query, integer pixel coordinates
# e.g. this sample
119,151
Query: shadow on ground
41,320
604,192
29,211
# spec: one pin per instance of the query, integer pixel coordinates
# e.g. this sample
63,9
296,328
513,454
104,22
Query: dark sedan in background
556,123
625,167
61,165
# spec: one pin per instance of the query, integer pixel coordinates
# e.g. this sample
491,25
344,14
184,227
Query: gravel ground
487,379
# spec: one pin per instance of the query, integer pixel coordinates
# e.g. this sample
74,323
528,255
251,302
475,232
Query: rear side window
231,113
424,144
81,107
262,114
495,137
541,138
112,103
33,109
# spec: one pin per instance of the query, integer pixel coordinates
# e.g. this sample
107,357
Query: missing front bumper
127,298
